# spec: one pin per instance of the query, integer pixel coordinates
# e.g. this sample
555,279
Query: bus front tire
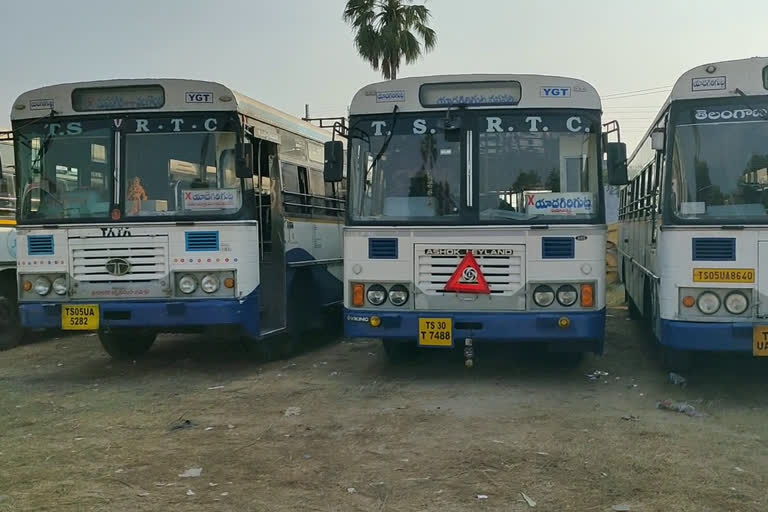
11,331
127,344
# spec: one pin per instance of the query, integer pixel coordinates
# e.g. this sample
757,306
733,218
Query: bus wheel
11,331
398,351
675,360
126,344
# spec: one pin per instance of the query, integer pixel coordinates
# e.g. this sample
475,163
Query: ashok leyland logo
118,266
469,275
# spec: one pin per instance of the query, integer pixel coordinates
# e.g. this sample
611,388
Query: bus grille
504,273
147,259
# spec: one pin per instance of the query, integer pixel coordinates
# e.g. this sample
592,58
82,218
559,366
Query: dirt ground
337,428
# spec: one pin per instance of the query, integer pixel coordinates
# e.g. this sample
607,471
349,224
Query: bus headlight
567,295
209,283
377,294
60,286
187,284
708,303
736,303
42,286
398,295
543,296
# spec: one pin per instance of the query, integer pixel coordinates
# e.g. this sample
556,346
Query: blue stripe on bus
707,336
507,327
164,315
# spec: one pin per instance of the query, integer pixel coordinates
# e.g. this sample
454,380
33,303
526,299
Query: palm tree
388,31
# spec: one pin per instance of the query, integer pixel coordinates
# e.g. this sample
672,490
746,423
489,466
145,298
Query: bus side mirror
617,163
333,169
657,139
245,163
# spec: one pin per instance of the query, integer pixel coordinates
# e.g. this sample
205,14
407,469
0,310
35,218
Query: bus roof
718,79
180,96
536,92
713,80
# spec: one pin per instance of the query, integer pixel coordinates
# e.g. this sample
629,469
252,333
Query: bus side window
291,191
304,189
317,189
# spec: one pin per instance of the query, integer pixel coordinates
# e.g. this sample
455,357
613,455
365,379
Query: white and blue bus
150,206
694,216
10,329
475,213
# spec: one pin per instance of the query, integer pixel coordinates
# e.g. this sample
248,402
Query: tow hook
469,353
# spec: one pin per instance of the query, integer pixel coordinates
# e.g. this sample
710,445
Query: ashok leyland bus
151,206
694,217
475,213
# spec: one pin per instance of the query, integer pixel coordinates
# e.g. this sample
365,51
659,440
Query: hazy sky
290,52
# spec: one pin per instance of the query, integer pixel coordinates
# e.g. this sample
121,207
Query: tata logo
198,97
118,266
115,232
555,92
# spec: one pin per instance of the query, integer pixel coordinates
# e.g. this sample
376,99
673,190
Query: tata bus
167,205
693,240
475,213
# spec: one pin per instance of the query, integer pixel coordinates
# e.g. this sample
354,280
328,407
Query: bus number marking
436,332
724,275
198,97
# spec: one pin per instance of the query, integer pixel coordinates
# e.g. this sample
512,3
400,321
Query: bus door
271,237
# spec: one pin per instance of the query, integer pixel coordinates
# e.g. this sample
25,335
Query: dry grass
94,435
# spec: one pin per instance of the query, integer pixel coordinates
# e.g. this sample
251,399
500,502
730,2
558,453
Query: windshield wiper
395,112
763,115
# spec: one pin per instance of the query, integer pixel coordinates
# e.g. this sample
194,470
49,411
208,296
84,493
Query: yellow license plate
80,317
724,275
436,332
760,341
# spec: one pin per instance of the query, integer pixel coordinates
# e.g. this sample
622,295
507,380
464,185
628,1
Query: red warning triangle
468,278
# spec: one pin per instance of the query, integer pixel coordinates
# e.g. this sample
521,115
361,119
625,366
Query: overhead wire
638,92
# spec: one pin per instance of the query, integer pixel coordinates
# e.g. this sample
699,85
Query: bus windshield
538,166
7,183
174,166
527,166
710,184
404,170
186,173
64,170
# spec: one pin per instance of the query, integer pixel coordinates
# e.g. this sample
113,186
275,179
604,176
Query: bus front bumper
165,315
587,327
708,336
